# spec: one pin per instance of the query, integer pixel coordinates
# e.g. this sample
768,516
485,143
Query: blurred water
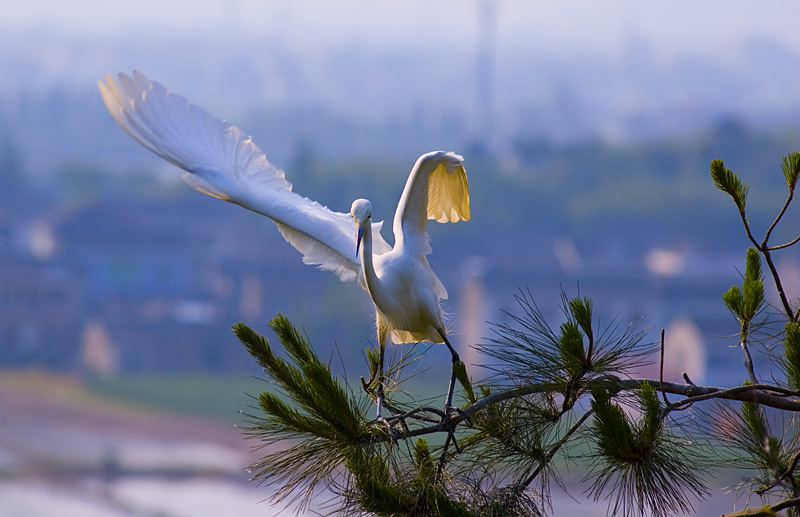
151,496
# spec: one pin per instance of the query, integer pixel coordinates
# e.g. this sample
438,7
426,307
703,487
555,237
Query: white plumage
222,161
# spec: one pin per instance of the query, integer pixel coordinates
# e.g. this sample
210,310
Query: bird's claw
461,413
389,426
449,426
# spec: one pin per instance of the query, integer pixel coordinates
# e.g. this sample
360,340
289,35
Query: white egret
224,162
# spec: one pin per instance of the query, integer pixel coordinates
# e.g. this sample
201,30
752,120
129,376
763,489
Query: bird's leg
380,379
379,392
448,405
449,401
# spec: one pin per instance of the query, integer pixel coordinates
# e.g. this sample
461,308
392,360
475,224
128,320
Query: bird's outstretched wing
436,189
222,161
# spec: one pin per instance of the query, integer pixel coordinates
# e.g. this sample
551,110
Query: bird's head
361,212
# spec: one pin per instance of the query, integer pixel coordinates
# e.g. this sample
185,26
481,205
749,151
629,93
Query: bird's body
406,307
225,163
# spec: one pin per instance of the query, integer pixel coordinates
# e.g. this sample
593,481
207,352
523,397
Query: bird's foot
449,427
464,417
379,419
392,433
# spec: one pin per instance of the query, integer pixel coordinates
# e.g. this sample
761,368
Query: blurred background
586,129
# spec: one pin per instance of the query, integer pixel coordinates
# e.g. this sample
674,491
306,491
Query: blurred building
149,286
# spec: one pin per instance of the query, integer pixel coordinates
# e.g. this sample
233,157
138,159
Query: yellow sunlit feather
448,195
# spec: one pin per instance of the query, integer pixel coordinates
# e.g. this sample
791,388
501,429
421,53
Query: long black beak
358,239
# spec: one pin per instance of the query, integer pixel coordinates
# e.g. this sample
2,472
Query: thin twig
785,245
522,485
783,476
748,362
751,393
777,279
764,249
788,503
768,511
415,413
661,369
777,219
746,224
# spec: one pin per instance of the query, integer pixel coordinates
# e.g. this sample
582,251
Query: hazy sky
707,27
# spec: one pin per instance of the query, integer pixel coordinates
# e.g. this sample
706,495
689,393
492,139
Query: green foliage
745,303
764,511
652,422
753,286
753,272
774,455
613,432
749,431
530,351
325,440
325,403
791,170
417,492
460,370
756,437
514,436
792,354
571,350
581,311
372,362
577,360
209,395
325,421
645,468
734,300
727,181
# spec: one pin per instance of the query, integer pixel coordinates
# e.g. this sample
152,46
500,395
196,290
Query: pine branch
765,394
640,466
523,484
786,473
727,181
787,308
767,511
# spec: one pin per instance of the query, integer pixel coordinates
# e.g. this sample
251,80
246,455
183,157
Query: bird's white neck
365,254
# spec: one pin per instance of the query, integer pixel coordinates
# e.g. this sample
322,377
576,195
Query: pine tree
562,392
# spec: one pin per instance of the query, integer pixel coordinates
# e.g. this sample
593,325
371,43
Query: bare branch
787,308
765,394
789,503
766,511
785,245
748,362
661,369
768,395
777,219
746,224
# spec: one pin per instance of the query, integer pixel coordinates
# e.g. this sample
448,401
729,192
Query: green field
218,397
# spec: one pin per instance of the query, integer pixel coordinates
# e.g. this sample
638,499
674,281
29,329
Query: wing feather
222,161
436,189
448,194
